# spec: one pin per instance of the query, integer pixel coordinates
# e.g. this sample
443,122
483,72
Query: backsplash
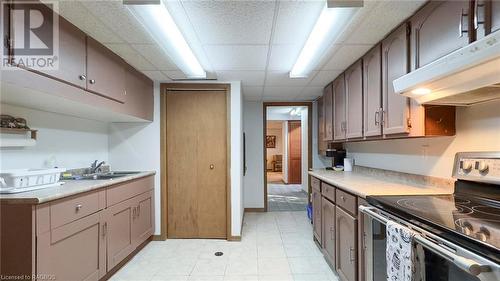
63,141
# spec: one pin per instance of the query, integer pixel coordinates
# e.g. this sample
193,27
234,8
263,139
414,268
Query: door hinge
408,30
408,123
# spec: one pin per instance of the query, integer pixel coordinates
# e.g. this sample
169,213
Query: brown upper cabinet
339,106
354,100
372,98
322,145
438,29
138,98
486,17
105,72
395,63
328,112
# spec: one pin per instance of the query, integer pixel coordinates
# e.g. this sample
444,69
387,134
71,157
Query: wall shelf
14,137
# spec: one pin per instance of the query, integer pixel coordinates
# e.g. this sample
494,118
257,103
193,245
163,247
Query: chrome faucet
95,166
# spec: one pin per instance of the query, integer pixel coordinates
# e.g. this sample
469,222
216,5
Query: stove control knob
467,228
466,165
483,234
482,166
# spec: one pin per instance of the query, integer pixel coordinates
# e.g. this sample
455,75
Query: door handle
78,207
212,166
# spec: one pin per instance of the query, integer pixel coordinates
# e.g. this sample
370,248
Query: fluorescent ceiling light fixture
421,91
328,27
157,20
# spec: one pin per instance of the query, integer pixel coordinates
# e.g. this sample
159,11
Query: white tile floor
275,246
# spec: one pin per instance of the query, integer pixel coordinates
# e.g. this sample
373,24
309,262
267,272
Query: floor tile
274,266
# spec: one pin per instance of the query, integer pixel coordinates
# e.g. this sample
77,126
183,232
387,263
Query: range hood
467,76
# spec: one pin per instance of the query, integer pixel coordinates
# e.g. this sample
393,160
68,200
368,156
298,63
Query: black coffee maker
337,155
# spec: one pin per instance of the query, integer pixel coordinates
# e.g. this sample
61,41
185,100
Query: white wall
63,141
478,129
137,146
253,181
319,161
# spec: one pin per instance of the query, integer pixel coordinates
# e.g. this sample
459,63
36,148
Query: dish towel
405,259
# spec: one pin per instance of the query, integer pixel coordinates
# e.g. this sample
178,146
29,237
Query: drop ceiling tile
155,55
281,78
117,18
231,22
311,92
131,56
295,21
246,98
175,74
277,98
322,78
283,57
77,14
345,56
285,92
252,91
247,78
156,76
237,57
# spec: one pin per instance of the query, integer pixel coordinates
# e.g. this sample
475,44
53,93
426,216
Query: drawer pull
342,197
78,207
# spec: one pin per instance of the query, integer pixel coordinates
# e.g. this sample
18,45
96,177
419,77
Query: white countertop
70,187
364,185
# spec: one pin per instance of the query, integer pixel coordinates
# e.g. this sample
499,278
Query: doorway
195,161
287,155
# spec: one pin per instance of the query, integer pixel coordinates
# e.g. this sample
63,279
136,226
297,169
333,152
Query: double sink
104,176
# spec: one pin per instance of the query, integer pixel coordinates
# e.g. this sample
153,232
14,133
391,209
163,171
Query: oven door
444,261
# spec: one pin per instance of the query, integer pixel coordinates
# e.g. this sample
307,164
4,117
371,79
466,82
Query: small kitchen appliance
337,156
460,232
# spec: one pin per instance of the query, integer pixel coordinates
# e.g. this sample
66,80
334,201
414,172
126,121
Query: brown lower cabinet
328,227
82,237
316,205
346,263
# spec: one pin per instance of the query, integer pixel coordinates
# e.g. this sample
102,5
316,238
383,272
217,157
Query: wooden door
438,29
322,144
346,237
372,85
354,100
120,241
105,72
394,65
294,152
339,103
143,224
196,164
328,219
75,251
328,112
71,66
316,205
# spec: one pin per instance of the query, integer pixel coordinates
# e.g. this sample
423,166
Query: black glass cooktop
475,219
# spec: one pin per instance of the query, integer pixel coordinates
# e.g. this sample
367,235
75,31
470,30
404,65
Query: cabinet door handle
332,231
212,166
138,210
461,31
78,207
92,81
351,255
377,115
134,211
82,77
104,229
476,10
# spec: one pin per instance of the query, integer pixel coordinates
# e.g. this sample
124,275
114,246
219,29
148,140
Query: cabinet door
138,94
354,100
394,65
322,145
495,15
105,72
316,204
372,99
346,237
328,112
75,251
328,219
143,224
72,54
439,28
486,17
120,241
339,103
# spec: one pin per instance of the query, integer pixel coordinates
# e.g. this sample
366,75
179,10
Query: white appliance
467,76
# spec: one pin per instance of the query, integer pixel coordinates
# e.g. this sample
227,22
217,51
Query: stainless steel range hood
467,76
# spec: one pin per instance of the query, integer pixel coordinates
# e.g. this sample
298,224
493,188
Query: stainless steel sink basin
107,176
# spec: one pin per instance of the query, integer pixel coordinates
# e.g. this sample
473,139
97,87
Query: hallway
290,197
275,246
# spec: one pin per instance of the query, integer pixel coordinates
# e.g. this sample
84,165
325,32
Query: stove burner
461,201
427,205
487,210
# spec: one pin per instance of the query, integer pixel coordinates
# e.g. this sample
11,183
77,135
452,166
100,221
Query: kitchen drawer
123,191
328,191
316,184
346,201
68,210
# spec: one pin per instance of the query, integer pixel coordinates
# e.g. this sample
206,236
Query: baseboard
158,238
234,238
254,210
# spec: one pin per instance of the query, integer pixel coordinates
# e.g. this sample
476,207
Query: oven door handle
464,263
